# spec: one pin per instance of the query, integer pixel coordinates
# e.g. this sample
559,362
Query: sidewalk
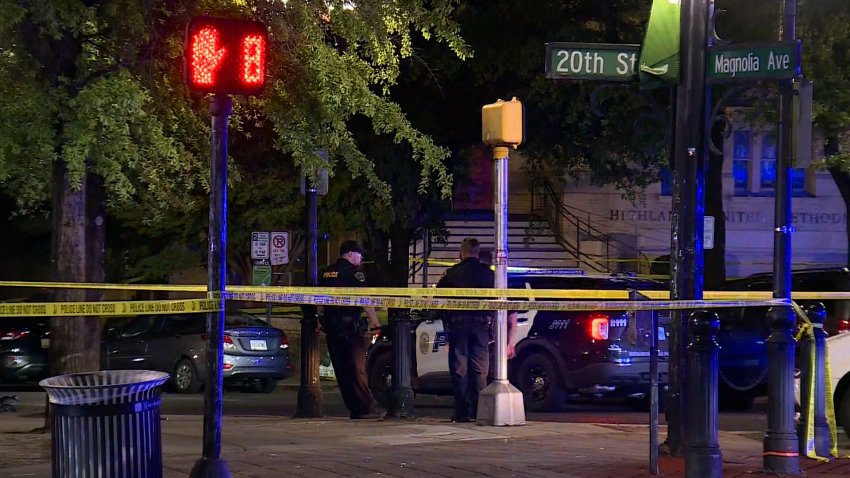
329,447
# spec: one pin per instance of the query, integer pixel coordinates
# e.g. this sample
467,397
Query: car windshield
241,319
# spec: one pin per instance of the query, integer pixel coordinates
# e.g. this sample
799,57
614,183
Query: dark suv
744,331
586,352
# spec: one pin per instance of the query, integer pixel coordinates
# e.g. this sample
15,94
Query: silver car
256,355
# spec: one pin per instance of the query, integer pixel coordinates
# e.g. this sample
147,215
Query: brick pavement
260,447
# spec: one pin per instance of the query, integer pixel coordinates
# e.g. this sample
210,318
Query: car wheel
381,378
842,409
540,383
185,377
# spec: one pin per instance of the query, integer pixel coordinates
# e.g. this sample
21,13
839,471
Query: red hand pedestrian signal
206,57
225,56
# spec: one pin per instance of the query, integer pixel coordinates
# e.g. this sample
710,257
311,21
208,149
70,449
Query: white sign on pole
259,245
708,232
280,248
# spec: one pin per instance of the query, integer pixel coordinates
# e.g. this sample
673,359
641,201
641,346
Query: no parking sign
279,248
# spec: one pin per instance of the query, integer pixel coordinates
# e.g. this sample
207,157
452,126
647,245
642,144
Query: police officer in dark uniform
468,332
345,331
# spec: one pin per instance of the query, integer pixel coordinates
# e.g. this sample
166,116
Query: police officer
468,332
345,331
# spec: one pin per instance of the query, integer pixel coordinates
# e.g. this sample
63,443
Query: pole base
781,455
701,462
210,468
500,404
401,405
309,402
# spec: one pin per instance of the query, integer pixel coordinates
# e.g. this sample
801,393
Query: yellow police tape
431,292
806,330
114,308
478,304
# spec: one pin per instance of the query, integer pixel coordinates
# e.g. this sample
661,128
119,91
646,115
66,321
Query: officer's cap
349,246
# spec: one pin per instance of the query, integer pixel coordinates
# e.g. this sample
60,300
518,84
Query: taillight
843,326
284,342
15,334
228,342
599,327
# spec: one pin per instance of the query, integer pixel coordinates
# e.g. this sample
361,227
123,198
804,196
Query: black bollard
816,313
781,448
401,393
703,458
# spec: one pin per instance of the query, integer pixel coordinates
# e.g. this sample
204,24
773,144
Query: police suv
593,353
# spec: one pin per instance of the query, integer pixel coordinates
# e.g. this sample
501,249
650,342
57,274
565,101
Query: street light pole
780,441
686,243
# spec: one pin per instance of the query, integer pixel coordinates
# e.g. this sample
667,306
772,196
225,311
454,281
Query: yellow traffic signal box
503,123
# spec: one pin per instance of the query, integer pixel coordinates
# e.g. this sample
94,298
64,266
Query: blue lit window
768,163
666,182
740,162
798,182
742,144
768,174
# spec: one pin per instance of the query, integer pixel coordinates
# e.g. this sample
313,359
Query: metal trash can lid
105,386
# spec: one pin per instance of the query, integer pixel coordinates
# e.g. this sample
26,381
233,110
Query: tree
92,96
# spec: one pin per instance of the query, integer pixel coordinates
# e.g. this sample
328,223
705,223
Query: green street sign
762,61
592,61
262,275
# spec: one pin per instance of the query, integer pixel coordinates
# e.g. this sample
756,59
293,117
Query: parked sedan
23,348
256,355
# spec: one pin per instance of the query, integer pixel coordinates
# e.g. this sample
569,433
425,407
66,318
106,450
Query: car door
432,349
129,349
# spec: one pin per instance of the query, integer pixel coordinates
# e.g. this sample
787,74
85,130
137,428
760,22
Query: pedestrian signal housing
223,55
503,123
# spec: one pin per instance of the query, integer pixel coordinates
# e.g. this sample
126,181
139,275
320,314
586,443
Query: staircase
531,243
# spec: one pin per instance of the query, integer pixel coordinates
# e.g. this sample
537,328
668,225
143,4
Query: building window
798,182
666,182
740,162
768,163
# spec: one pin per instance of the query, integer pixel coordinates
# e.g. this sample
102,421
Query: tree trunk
78,246
399,267
715,259
842,181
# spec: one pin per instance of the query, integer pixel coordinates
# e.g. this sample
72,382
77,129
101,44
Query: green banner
659,59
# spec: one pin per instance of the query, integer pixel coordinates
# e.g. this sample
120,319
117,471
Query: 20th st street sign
592,61
773,61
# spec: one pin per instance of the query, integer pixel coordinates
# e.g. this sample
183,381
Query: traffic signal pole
310,390
210,465
781,447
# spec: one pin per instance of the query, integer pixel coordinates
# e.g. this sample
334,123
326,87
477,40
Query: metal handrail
562,212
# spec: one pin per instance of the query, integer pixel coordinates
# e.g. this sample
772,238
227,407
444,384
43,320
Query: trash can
106,424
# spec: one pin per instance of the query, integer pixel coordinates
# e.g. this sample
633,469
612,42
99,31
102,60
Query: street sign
262,274
708,232
259,245
754,61
279,248
592,61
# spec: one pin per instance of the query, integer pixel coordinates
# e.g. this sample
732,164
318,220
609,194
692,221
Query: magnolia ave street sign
592,61
755,61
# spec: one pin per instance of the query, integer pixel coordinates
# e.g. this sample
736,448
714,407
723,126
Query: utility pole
781,447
